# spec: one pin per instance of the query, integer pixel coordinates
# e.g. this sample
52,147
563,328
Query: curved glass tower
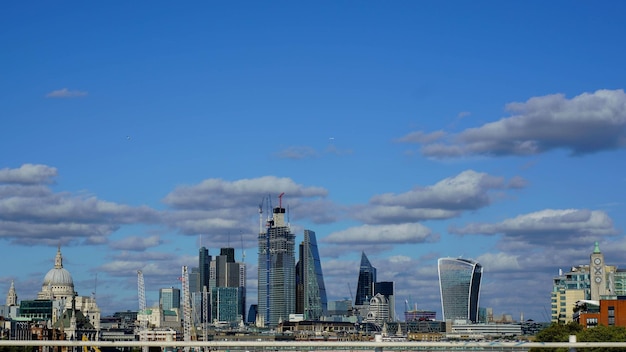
310,289
459,283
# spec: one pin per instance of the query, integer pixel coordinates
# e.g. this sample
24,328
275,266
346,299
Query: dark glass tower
365,285
459,282
204,263
311,298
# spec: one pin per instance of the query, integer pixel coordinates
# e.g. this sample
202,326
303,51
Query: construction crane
143,322
186,308
280,200
350,289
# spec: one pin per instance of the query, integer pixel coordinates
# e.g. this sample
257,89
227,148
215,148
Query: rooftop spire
58,260
596,248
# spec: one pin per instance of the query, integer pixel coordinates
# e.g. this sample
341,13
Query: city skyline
132,134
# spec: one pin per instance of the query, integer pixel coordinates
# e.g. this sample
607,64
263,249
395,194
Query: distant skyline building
593,281
600,285
311,300
459,284
365,284
169,298
276,270
12,295
204,265
378,310
194,280
58,283
386,289
228,297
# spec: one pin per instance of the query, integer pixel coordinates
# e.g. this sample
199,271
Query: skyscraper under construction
277,274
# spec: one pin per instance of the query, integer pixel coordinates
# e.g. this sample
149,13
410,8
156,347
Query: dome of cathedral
58,277
58,283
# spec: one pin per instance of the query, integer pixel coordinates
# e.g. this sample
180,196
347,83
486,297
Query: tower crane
143,322
186,307
280,200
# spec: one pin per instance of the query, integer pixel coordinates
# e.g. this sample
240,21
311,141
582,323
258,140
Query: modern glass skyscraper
169,298
365,285
459,283
204,263
228,305
277,270
311,298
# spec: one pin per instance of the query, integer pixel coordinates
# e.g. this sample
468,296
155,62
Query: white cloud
220,207
383,234
66,93
31,213
469,190
547,227
136,243
28,174
385,214
499,261
587,123
212,193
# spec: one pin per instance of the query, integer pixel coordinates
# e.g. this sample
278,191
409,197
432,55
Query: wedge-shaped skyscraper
459,283
310,289
367,279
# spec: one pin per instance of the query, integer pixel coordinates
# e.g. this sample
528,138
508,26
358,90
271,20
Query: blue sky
132,133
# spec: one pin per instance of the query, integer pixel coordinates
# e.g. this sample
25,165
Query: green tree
602,333
556,333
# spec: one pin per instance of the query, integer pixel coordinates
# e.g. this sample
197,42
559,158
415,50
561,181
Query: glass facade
204,264
459,283
311,298
365,285
567,288
169,298
36,310
225,305
277,270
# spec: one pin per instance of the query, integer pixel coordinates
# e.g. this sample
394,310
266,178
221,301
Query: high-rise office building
169,298
226,269
386,289
204,265
226,304
277,266
365,285
228,298
194,280
311,298
459,283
